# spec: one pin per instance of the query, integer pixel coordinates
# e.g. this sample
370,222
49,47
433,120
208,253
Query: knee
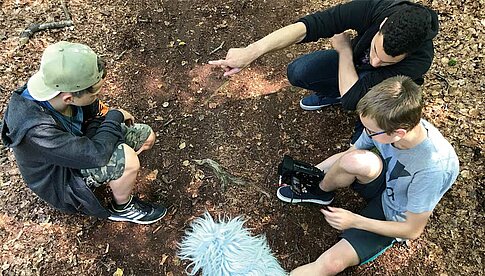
151,140
295,73
132,163
329,265
360,162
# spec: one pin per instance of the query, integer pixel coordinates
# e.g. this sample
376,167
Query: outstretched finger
220,62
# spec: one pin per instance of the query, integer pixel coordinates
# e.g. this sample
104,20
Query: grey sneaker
137,211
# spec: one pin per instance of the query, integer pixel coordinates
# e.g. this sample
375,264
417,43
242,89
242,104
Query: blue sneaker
286,194
316,101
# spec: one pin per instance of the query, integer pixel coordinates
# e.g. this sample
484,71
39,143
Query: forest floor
157,53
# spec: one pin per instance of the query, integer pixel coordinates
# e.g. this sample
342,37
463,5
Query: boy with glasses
67,142
402,184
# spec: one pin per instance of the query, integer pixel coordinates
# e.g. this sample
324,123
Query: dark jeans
318,71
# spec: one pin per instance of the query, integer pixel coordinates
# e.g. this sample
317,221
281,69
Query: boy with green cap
66,142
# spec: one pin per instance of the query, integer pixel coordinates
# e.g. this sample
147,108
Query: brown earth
157,53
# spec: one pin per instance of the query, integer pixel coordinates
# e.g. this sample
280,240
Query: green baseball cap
64,67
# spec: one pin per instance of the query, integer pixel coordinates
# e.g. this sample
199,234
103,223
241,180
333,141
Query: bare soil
157,53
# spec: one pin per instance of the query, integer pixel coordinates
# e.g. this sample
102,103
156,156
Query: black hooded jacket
50,158
365,17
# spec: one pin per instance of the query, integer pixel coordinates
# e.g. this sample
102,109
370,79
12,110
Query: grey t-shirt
416,178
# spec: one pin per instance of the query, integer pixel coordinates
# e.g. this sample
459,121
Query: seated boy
66,142
402,184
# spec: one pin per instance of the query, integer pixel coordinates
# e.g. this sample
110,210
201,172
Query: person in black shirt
393,38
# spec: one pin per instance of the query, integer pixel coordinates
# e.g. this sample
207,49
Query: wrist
255,50
345,51
115,115
358,221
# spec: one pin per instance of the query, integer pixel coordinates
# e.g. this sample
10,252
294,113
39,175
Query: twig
222,86
120,55
66,11
441,77
167,123
36,27
144,20
261,190
33,28
103,263
16,238
156,230
218,48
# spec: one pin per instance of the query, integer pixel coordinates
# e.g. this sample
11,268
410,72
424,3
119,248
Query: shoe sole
122,219
297,200
317,107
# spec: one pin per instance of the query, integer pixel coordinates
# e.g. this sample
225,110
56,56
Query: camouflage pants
135,137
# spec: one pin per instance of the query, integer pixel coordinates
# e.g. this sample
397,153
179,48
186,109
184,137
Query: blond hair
394,103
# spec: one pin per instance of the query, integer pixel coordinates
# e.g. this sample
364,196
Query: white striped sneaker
137,211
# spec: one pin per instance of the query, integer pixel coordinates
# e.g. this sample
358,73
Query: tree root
226,178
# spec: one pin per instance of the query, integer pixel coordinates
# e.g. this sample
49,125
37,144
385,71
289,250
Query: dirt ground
157,53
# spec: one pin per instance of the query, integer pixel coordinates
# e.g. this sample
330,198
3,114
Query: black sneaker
286,194
137,211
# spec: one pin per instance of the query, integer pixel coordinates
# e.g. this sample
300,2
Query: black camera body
301,176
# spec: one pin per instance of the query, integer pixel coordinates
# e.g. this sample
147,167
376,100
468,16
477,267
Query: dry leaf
164,258
152,175
465,174
118,272
304,226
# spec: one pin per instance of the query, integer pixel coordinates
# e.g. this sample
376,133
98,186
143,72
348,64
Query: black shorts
370,245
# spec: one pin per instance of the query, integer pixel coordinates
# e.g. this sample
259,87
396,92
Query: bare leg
361,165
123,186
334,260
150,141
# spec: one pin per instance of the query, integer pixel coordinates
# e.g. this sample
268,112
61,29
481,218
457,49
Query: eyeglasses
372,134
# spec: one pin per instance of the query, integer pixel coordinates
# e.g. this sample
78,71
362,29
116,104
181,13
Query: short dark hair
394,103
405,30
101,68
